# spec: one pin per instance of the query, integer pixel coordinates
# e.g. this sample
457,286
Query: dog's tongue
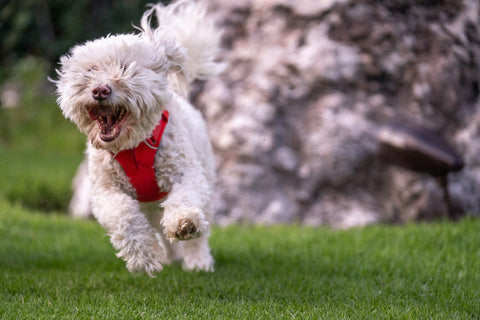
110,122
108,127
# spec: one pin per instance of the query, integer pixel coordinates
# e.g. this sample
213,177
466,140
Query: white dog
123,91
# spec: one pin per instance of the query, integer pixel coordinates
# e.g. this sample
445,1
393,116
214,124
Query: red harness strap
138,164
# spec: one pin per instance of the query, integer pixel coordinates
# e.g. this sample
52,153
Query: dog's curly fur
147,73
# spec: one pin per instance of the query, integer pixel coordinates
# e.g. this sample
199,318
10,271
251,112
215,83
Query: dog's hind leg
80,205
196,255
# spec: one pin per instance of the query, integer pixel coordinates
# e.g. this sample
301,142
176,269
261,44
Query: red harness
138,164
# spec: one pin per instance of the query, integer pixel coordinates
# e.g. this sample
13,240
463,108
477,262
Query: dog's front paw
144,256
184,225
183,229
186,230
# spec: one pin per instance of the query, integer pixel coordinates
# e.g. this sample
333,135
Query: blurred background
296,117
40,150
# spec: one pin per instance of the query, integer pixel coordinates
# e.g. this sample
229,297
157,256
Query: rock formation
294,117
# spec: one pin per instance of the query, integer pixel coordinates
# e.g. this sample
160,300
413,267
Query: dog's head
115,88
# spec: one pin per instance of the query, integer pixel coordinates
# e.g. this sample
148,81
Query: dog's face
115,88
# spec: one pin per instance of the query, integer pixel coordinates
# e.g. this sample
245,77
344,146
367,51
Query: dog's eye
92,68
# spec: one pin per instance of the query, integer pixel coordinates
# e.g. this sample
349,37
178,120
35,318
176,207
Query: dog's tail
195,32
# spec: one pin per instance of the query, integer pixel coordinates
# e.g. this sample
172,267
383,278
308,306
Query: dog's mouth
110,120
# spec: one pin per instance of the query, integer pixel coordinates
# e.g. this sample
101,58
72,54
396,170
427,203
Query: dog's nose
101,92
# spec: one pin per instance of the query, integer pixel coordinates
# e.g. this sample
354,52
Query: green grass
55,267
39,149
39,180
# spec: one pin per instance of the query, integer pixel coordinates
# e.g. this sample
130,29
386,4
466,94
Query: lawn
55,267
